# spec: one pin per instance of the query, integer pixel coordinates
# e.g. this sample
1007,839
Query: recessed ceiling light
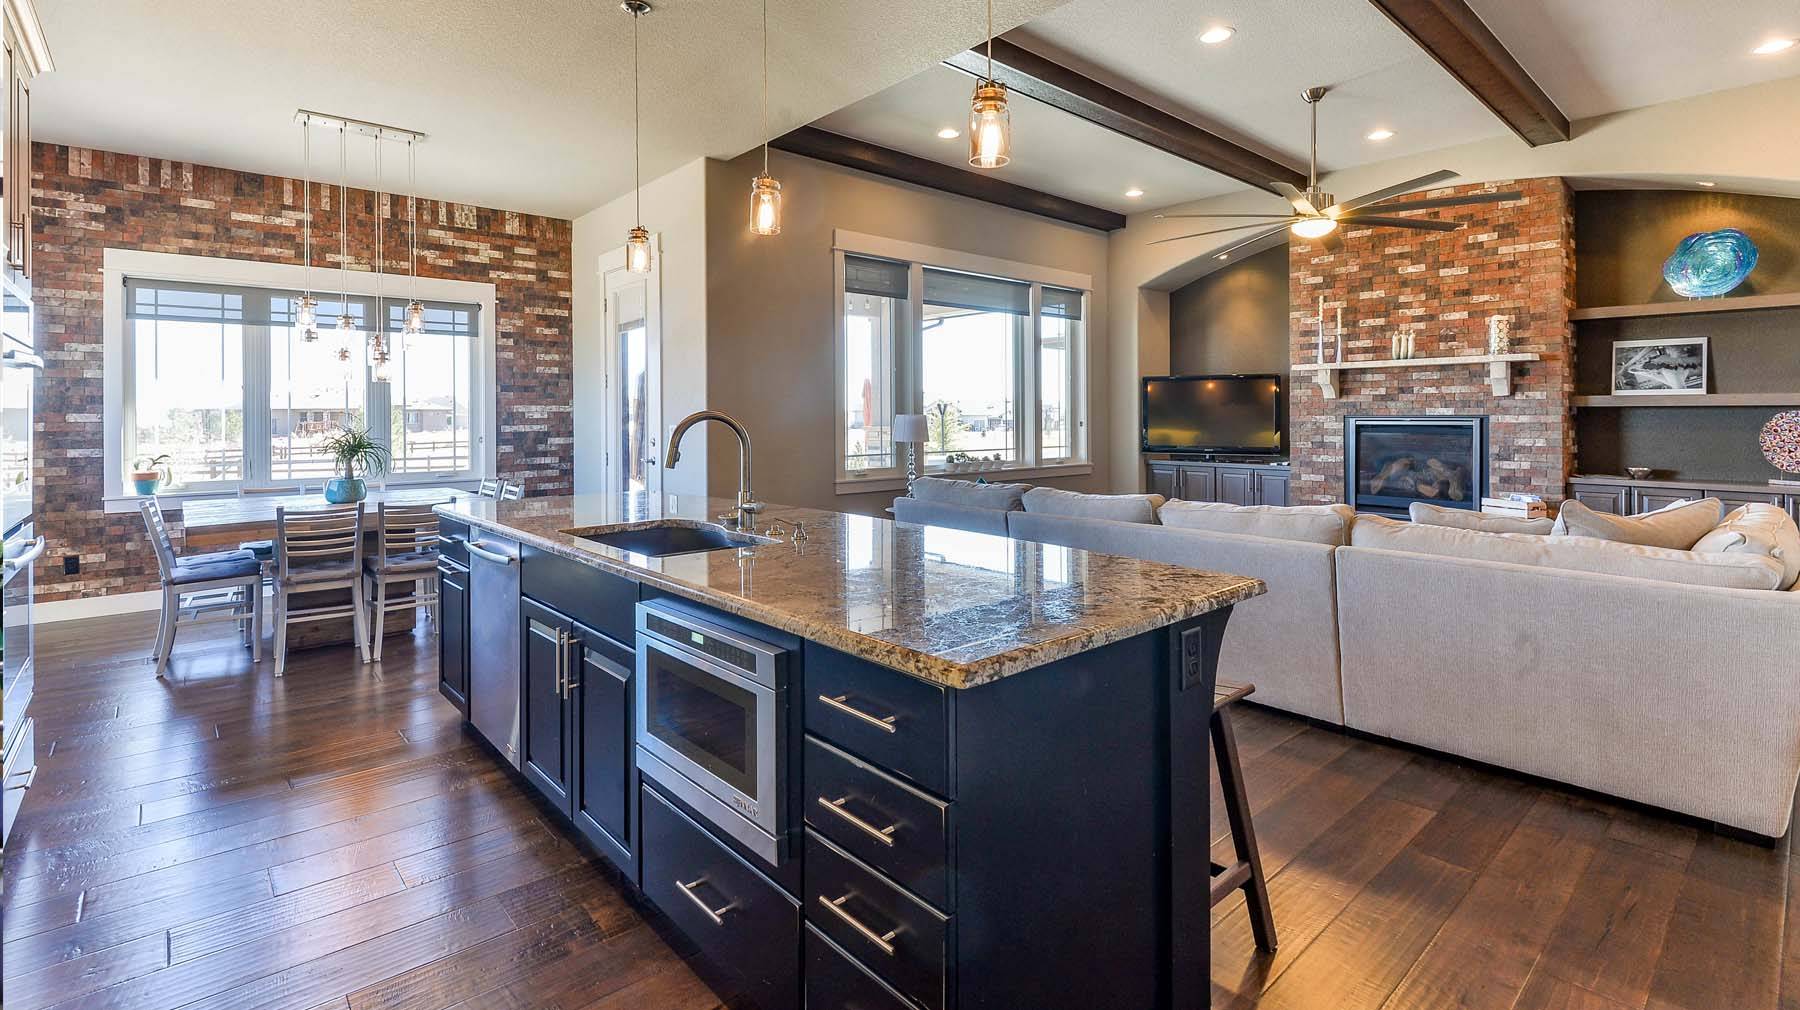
1773,46
1134,193
1217,34
949,133
1708,185
1382,134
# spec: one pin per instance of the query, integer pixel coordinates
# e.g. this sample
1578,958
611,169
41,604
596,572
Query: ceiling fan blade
1297,198
1220,231
1242,243
1448,201
1391,191
1172,217
1415,223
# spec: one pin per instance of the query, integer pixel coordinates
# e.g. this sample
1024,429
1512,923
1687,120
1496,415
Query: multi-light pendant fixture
990,124
346,324
378,351
306,311
765,190
637,241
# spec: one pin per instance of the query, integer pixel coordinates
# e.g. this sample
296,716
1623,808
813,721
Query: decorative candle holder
1499,334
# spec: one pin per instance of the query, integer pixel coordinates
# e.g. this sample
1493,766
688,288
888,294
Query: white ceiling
1593,57
527,104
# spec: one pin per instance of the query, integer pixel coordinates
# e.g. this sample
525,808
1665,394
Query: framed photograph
1672,365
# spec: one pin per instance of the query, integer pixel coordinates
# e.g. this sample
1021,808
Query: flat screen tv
1225,414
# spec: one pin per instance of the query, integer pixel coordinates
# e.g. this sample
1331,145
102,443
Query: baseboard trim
53,611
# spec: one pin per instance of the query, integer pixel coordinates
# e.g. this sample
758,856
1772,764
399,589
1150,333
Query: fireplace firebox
1391,462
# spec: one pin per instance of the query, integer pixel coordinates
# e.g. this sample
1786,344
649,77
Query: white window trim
917,257
118,264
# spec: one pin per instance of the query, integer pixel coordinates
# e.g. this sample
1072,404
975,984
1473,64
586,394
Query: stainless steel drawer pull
883,723
880,940
716,915
883,835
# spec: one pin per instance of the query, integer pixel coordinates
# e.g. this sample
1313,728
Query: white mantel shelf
1499,368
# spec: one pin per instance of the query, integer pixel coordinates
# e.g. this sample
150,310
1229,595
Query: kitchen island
873,765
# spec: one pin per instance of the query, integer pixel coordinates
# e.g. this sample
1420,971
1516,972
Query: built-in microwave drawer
19,768
904,941
899,723
743,923
900,830
834,981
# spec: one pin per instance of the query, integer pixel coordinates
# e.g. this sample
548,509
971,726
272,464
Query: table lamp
910,428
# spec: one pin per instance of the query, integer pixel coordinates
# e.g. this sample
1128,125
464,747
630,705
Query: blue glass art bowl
1710,263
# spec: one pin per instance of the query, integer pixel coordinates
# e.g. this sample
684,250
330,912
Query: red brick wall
86,201
1515,258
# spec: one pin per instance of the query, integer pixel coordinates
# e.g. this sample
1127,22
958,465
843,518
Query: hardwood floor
333,839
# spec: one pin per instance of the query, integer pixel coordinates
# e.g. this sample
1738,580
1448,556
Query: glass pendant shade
637,251
415,317
1314,227
990,126
346,325
765,206
343,354
310,334
306,315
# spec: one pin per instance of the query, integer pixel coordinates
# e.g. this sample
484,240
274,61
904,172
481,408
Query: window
218,378
991,353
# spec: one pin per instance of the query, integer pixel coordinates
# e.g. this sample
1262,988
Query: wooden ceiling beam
1040,78
849,152
1454,35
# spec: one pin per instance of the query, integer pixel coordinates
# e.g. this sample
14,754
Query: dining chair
406,551
510,491
490,488
202,589
318,550
265,549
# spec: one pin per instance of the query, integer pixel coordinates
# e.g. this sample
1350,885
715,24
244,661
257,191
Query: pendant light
990,124
637,241
346,325
765,190
306,317
415,310
378,352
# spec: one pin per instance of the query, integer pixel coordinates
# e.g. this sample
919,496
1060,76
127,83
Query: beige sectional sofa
1625,670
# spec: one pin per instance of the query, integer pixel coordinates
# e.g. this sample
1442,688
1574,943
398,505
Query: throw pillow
1125,508
1762,530
1007,497
1677,527
1465,519
1318,524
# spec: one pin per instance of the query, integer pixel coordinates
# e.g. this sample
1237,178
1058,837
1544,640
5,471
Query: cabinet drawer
901,939
897,722
834,981
852,803
601,600
738,919
453,540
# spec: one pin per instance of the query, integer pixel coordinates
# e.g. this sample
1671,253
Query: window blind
1061,302
882,278
977,293
178,301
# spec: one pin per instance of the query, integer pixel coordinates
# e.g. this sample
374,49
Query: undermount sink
672,537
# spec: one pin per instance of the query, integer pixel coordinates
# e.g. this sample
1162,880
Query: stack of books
1522,506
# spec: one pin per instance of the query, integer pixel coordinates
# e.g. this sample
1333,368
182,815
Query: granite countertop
955,608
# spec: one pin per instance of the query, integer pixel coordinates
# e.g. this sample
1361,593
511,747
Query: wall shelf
1697,307
1499,367
1692,400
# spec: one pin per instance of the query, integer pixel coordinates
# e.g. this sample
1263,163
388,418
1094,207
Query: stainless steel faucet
747,505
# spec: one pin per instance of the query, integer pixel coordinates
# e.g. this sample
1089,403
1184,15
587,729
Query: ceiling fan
1316,216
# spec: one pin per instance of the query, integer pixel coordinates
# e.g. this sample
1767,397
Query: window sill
866,485
172,501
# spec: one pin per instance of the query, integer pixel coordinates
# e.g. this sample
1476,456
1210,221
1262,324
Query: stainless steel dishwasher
494,641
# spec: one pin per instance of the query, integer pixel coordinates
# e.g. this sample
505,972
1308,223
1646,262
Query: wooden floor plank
1611,934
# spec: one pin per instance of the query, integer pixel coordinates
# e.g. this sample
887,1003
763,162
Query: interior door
633,348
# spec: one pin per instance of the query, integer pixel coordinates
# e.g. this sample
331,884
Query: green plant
158,464
357,451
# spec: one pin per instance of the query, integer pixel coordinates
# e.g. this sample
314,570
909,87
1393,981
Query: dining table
213,524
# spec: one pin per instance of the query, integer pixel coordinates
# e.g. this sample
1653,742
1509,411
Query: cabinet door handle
883,723
717,915
568,648
562,651
883,835
880,940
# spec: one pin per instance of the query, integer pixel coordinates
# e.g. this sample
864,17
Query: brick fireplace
1516,259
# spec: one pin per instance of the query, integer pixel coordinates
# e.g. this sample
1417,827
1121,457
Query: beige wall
674,210
1744,139
771,341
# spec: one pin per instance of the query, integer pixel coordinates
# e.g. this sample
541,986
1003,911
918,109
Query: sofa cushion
1761,530
1124,508
968,492
1580,554
1464,519
1318,524
1678,526
950,514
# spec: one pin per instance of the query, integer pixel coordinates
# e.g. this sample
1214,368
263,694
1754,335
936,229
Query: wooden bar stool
1246,873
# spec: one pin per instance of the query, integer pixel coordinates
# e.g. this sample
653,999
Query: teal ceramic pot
146,487
344,490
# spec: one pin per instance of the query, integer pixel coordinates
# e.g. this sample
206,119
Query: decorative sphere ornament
1780,441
